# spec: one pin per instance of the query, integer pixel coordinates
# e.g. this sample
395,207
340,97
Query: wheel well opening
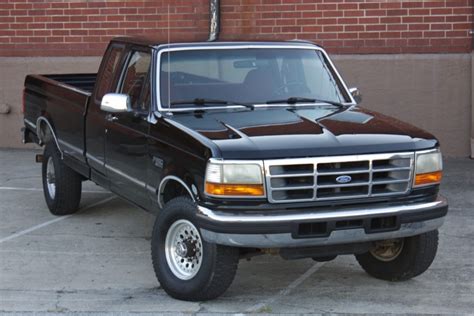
46,134
172,190
43,132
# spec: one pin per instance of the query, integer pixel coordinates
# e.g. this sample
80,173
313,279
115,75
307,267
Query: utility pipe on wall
472,102
214,20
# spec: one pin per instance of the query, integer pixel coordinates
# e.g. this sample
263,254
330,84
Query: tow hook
39,158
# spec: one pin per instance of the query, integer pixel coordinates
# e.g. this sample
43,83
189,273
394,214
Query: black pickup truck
241,149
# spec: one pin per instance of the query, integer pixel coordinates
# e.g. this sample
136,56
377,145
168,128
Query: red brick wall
75,27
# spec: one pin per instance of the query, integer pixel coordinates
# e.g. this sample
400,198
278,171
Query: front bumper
294,228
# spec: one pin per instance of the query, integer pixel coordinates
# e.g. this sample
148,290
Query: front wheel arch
171,187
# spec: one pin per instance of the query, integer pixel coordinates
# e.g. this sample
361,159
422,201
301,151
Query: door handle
111,118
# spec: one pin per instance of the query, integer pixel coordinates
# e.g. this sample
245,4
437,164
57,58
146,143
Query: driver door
126,148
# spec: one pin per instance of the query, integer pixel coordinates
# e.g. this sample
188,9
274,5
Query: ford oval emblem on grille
343,179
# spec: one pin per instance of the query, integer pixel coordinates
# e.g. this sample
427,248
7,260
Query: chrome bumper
268,231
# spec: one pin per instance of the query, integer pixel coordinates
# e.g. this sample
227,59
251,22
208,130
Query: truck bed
62,101
83,82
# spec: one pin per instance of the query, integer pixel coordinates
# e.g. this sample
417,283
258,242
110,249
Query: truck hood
286,132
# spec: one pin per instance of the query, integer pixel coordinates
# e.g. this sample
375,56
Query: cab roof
183,42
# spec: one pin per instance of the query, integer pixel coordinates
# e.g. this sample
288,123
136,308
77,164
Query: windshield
254,76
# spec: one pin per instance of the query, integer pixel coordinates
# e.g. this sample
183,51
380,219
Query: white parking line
37,189
29,230
72,253
287,290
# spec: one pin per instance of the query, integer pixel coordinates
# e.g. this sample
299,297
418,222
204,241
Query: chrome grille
314,179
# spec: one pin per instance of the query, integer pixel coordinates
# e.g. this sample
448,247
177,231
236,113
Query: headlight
428,169
234,179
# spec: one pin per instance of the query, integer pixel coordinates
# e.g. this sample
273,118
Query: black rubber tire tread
68,184
219,263
416,257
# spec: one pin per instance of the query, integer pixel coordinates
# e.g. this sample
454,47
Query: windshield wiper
294,100
204,102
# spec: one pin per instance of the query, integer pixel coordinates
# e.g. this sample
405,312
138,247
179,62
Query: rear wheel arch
46,133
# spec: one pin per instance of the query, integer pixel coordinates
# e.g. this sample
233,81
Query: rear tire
177,240
62,186
415,257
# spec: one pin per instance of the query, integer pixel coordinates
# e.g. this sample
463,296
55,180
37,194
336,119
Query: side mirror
115,103
355,92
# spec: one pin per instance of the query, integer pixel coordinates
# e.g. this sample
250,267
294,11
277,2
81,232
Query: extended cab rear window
111,62
135,77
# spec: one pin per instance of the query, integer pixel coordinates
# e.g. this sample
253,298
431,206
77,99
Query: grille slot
343,166
289,182
341,177
288,170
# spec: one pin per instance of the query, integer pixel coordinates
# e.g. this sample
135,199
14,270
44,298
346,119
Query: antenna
169,64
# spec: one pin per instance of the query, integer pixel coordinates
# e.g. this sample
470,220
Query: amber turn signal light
428,178
234,189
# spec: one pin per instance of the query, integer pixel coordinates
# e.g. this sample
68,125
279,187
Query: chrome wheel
387,250
183,249
51,178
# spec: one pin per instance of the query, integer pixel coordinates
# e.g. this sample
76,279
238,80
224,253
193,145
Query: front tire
187,267
62,186
401,259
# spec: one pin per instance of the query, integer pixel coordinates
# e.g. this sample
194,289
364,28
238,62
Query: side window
135,76
145,100
112,59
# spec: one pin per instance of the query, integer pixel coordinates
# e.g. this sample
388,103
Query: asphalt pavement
98,260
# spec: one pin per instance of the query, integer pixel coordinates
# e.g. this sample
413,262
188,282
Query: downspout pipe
471,32
214,20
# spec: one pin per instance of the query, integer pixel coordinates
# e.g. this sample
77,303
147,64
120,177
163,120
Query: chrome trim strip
346,158
117,171
96,160
38,126
167,48
33,125
391,169
314,161
162,187
126,176
352,212
336,237
282,105
71,146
